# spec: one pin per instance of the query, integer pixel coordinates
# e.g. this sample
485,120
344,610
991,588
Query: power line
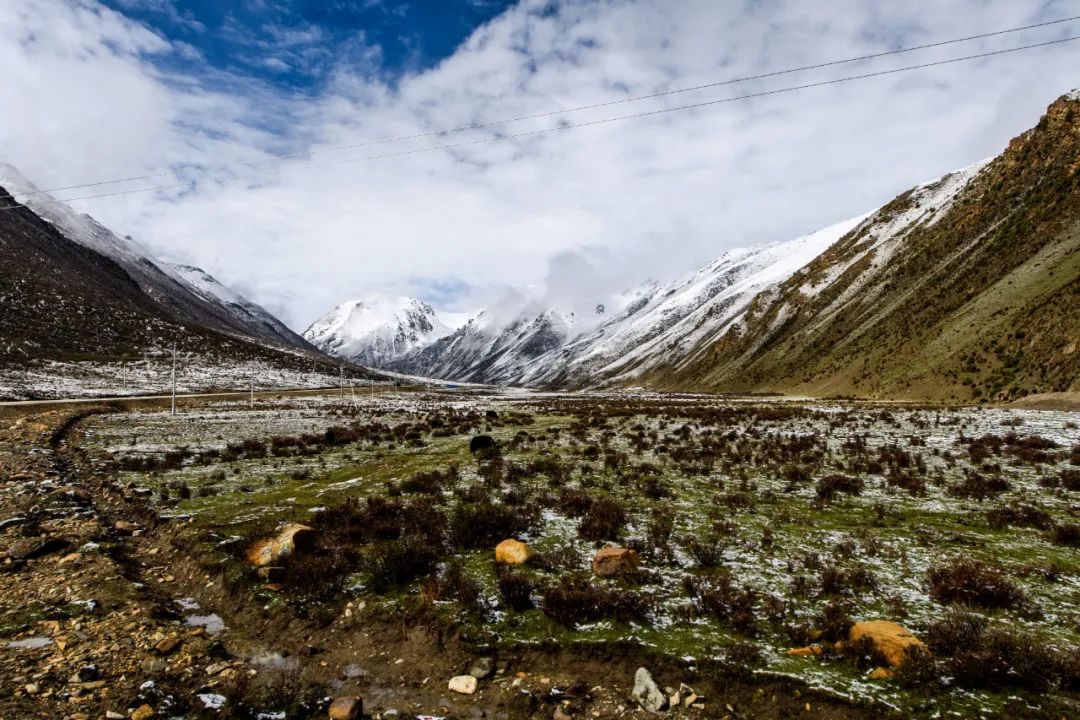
619,118
550,113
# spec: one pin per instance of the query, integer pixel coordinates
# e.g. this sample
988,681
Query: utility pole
174,378
341,381
352,390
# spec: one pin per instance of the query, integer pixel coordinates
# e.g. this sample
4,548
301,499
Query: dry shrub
720,597
972,582
979,654
604,520
828,486
516,589
576,600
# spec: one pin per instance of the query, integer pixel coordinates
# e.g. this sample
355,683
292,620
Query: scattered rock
33,548
143,712
88,673
167,645
32,689
512,552
464,684
561,714
347,708
808,651
880,673
482,668
891,641
647,693
291,539
126,528
614,560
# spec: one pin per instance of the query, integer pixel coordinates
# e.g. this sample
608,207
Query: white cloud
605,205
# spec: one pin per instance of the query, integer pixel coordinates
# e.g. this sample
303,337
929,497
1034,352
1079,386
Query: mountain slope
672,323
490,350
965,288
377,330
185,293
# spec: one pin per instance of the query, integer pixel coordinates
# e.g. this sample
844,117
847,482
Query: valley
755,531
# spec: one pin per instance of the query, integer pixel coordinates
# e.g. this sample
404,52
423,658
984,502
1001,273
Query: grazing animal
481,442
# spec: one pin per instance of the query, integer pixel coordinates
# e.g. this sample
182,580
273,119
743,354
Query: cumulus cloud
566,217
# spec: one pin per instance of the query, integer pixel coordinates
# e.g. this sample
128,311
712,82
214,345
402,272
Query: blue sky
295,45
101,89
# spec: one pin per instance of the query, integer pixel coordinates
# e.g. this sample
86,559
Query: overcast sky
100,90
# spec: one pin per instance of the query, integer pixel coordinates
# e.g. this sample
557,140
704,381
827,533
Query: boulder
482,668
464,684
614,560
143,712
33,548
647,693
167,645
347,708
891,641
512,552
291,539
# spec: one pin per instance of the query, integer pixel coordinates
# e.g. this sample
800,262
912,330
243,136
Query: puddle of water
32,643
212,622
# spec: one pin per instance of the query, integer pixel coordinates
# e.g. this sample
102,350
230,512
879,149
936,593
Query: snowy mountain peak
377,329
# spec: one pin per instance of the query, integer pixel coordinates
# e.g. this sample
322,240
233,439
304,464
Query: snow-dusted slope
672,323
490,350
246,312
187,292
377,330
653,324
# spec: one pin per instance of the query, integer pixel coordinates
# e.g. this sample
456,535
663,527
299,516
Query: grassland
761,526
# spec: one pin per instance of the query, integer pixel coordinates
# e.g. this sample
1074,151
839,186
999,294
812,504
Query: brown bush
971,582
576,600
604,520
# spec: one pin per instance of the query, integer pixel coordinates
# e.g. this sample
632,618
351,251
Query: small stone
347,708
88,673
647,693
482,668
113,715
512,552
674,699
614,561
124,527
561,714
690,700
464,684
167,645
143,712
32,689
880,673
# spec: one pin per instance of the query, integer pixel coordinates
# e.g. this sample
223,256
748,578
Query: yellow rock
808,651
144,712
880,673
892,641
615,561
512,552
291,538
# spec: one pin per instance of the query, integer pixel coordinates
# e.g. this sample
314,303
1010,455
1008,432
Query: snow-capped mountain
491,350
377,330
189,293
673,323
650,325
